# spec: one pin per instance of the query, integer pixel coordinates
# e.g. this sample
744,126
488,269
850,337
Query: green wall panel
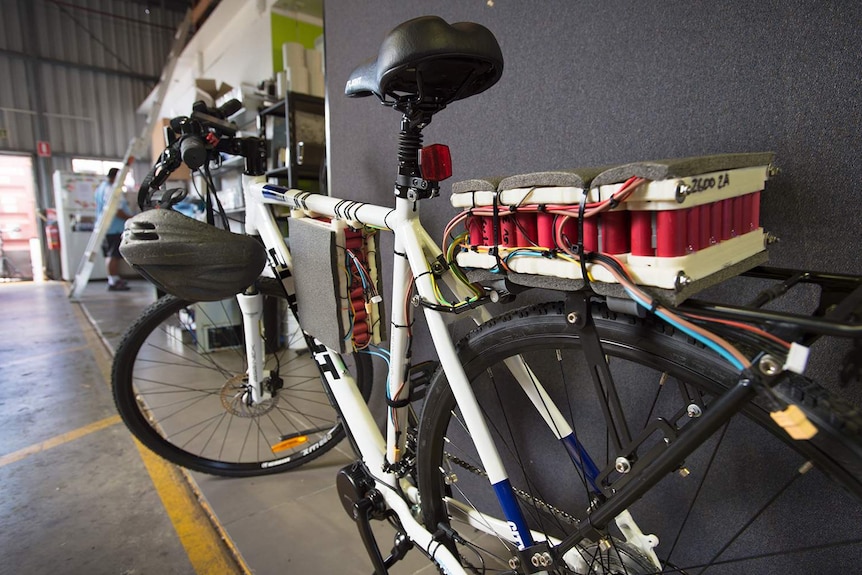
286,29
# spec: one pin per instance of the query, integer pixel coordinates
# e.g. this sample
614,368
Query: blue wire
377,353
710,344
358,268
382,350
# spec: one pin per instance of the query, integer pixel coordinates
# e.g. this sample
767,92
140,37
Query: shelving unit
295,125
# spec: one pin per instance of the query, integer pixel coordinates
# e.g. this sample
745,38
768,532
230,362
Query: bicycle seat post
409,184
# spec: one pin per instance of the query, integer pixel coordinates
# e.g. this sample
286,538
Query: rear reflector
435,162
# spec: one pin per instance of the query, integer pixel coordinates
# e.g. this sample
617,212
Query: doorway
19,231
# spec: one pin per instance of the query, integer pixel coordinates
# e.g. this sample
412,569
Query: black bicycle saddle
430,61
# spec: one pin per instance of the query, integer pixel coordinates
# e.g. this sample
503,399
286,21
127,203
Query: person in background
111,244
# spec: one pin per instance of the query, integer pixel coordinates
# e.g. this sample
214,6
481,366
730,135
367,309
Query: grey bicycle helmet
190,259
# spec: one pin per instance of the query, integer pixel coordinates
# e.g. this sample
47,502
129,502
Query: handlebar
195,140
193,151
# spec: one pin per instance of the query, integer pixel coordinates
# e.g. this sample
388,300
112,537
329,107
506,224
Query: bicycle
525,457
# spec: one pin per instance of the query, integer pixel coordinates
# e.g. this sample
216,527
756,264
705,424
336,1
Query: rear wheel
179,384
748,500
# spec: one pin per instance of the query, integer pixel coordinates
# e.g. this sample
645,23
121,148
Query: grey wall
612,82
75,73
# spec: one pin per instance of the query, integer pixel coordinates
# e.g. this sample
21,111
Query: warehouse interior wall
616,82
74,73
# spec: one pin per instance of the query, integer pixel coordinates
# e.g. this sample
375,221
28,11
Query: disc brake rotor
234,398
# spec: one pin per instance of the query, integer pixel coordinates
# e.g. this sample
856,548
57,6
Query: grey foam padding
682,167
575,178
312,247
476,185
665,296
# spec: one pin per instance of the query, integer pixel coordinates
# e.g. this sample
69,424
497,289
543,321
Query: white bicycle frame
418,249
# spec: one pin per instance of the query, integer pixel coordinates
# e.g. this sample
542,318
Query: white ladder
137,147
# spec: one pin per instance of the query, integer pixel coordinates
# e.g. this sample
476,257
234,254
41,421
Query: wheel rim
189,388
703,526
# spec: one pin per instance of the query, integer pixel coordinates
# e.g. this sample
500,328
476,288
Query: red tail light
435,162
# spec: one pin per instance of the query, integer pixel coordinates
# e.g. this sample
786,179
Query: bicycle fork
251,306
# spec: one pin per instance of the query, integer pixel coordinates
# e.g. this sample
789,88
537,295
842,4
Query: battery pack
337,283
691,218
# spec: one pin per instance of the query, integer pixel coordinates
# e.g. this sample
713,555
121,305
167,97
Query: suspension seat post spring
409,144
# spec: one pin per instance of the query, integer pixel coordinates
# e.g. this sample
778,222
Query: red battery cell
474,231
484,231
740,218
726,219
360,315
641,233
360,327
569,231
755,210
670,233
615,232
747,201
525,229
545,230
507,231
692,226
716,211
705,226
591,234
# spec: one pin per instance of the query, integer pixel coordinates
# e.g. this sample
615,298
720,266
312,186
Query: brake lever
169,160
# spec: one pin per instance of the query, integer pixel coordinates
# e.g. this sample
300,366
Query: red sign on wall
43,149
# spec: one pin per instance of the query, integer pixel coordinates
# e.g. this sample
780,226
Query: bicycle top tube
347,210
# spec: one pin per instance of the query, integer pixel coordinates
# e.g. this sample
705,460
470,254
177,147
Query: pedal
420,376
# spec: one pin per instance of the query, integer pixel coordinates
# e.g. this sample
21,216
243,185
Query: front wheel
179,384
748,500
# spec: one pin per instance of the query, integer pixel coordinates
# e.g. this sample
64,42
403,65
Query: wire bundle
567,247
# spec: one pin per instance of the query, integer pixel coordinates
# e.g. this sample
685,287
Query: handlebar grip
193,151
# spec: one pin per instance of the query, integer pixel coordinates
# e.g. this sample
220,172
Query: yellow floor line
209,549
204,547
58,440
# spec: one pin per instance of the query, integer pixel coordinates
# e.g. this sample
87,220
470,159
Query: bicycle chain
523,495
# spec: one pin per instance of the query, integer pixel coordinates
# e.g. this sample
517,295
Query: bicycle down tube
403,220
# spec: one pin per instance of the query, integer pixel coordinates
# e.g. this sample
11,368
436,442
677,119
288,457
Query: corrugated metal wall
92,63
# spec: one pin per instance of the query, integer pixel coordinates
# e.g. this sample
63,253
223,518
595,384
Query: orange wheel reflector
290,443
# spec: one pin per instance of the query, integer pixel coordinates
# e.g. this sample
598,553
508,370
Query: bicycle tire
181,395
731,464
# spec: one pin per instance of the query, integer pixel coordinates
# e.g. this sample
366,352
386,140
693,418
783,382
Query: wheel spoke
189,405
727,498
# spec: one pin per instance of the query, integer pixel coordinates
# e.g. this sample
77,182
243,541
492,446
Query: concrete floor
89,505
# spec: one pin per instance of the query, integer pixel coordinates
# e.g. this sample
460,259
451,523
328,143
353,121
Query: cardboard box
207,90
